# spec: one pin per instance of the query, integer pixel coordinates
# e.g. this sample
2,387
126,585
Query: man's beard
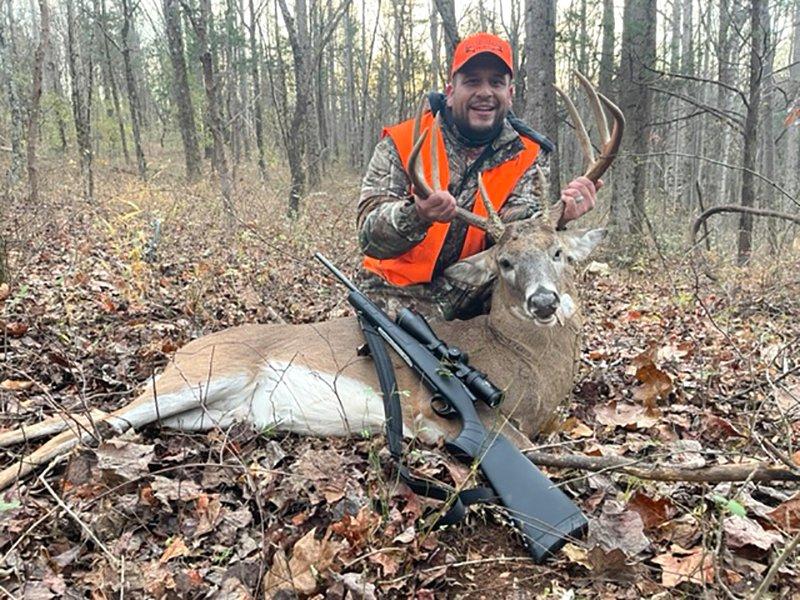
471,136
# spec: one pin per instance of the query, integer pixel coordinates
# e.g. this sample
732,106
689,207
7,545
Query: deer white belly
289,397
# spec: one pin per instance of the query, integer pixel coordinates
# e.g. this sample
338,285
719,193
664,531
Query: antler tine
594,102
421,187
580,128
611,146
492,224
434,138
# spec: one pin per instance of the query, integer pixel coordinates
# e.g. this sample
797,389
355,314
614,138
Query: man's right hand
439,206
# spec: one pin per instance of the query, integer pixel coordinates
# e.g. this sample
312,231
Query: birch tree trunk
36,97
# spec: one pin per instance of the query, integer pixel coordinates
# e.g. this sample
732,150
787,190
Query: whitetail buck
308,378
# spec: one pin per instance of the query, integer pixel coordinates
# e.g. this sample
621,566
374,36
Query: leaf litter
676,370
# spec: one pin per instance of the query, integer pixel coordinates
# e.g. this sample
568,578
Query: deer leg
55,424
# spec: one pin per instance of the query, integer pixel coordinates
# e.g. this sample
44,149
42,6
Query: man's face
480,95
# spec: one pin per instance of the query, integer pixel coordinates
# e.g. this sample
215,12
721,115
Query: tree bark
112,80
447,10
80,71
540,74
202,23
792,169
130,81
8,59
637,56
36,97
180,90
607,52
258,113
757,49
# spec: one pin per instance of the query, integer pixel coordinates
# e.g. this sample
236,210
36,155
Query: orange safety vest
416,265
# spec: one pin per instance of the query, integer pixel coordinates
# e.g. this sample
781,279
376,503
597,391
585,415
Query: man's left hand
579,198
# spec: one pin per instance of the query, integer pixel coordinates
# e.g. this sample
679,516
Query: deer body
310,379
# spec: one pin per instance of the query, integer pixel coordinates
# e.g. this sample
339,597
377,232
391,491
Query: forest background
170,166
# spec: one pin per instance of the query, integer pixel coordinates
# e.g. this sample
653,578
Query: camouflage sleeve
527,198
388,223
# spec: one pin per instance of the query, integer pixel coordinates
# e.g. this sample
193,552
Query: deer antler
492,224
595,167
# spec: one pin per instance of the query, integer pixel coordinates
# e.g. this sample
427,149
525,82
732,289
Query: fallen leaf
686,454
787,514
575,428
309,557
5,291
655,385
577,555
694,566
184,490
653,512
16,329
741,531
387,561
13,385
126,460
618,528
617,414
209,512
357,530
176,548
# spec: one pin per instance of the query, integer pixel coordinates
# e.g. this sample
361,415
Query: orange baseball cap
481,43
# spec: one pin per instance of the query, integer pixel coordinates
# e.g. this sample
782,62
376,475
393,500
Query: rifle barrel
336,272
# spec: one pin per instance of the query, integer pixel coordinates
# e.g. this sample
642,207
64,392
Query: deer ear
579,243
475,270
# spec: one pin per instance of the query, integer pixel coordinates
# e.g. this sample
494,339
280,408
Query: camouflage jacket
389,225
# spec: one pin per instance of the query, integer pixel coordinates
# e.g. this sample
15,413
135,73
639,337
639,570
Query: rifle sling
394,434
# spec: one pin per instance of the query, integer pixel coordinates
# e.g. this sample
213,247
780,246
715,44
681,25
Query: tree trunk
447,10
638,53
607,52
36,96
112,80
80,71
792,169
58,91
540,75
202,23
757,51
133,95
8,59
258,115
180,89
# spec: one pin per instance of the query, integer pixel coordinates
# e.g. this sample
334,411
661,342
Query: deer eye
505,264
559,254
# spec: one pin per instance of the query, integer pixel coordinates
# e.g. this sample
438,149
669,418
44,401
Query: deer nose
543,303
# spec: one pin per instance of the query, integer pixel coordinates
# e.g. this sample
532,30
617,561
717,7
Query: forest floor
682,366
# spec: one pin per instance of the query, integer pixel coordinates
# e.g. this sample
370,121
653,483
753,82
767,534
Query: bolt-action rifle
545,516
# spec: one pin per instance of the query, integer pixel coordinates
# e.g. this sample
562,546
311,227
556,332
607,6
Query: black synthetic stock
544,514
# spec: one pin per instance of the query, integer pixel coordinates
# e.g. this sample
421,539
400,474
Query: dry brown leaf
787,514
124,459
13,385
655,385
627,415
5,291
357,530
174,550
741,531
653,512
309,557
577,555
575,428
209,512
387,561
16,329
679,565
618,528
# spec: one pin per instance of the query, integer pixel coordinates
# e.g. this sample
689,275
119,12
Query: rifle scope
452,357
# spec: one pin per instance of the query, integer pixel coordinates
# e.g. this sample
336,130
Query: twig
757,471
113,559
465,563
773,570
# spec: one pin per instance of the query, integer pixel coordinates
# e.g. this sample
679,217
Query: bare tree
755,77
180,89
637,58
8,59
36,97
607,48
131,84
258,116
81,76
540,75
447,10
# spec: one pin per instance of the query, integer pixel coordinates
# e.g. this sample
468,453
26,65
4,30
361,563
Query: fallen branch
754,471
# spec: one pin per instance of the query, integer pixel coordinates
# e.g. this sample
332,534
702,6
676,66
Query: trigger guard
442,408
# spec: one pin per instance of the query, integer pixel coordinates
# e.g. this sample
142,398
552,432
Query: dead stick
755,471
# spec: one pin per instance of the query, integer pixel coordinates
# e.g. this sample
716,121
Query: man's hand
439,206
579,198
